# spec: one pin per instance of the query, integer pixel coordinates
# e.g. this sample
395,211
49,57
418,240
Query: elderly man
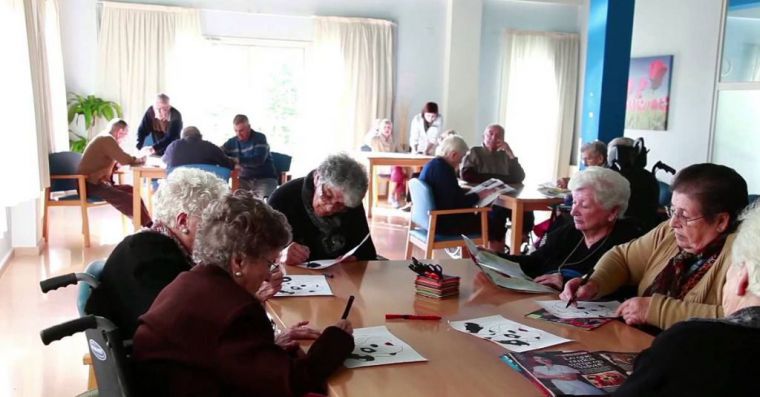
708,357
192,149
160,126
495,159
326,213
251,150
98,161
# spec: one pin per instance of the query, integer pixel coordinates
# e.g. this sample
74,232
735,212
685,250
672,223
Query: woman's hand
345,325
289,338
586,292
634,310
270,288
562,183
553,280
294,254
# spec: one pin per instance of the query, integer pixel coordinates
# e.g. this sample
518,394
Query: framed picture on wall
649,93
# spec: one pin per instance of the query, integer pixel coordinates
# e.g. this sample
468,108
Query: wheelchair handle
67,279
60,331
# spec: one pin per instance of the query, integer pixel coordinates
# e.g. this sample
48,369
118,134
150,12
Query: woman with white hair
382,141
711,357
600,198
145,262
326,213
440,175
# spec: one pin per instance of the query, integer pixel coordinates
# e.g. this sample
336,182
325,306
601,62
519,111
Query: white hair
452,143
347,175
746,250
609,187
186,190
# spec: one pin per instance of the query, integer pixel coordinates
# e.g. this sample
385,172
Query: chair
282,166
94,269
64,178
424,218
221,172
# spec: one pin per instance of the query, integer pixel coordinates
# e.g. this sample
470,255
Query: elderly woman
382,141
679,267
326,213
208,335
593,153
600,197
145,262
440,175
705,357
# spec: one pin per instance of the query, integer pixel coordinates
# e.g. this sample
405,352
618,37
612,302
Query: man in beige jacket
98,161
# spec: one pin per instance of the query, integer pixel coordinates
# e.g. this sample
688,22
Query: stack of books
437,287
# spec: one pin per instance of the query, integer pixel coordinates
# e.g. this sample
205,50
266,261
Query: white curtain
538,95
23,157
140,46
350,83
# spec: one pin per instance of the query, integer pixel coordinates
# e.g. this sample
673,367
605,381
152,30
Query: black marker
584,280
348,307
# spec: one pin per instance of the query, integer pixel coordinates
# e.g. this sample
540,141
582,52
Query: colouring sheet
581,309
378,346
325,263
300,285
508,334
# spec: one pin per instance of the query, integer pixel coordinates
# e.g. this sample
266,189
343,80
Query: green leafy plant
89,108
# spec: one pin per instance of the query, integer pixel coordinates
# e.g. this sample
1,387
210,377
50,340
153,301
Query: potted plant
89,108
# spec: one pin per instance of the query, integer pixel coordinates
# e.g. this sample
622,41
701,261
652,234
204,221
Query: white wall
5,238
690,31
500,15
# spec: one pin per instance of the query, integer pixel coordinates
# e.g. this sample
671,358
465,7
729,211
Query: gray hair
598,147
187,190
239,225
609,187
347,175
498,127
163,98
191,132
452,143
746,251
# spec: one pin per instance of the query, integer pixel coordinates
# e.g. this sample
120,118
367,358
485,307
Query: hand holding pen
580,288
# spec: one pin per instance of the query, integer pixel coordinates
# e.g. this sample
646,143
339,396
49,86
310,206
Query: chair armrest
459,211
68,176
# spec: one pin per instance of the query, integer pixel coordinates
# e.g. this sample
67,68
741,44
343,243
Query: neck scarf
330,237
685,270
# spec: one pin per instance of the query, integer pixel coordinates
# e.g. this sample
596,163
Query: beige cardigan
640,261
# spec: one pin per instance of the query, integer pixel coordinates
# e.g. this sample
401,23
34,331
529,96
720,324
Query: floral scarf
331,237
161,228
685,270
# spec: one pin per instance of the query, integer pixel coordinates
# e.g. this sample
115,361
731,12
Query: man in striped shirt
251,151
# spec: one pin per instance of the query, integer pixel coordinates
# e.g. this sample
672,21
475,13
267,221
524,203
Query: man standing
192,149
160,126
98,161
251,150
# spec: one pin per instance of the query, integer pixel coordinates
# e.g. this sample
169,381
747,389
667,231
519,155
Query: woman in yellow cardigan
680,266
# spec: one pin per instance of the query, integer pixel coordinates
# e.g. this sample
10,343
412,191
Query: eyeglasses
677,215
329,198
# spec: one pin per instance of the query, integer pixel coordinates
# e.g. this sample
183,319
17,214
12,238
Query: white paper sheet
301,285
508,334
581,310
325,263
378,346
493,261
490,184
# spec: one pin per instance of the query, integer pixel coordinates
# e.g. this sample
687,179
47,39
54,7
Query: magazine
584,323
573,373
492,183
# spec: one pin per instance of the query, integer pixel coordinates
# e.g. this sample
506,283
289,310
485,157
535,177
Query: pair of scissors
426,270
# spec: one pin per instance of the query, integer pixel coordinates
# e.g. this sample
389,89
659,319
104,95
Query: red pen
410,317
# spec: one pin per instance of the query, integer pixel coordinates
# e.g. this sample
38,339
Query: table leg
517,226
136,185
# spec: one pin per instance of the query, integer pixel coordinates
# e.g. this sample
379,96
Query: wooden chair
424,218
282,166
65,180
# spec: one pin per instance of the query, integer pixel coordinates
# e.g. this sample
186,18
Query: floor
29,368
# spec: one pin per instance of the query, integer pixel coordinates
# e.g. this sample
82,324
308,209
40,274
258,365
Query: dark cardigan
146,128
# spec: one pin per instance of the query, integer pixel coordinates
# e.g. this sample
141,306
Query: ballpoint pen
584,280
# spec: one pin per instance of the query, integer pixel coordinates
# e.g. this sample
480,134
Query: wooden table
375,159
458,364
524,199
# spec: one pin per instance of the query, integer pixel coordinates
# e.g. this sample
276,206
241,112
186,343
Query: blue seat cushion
75,197
421,234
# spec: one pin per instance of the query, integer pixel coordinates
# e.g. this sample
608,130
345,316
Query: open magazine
492,183
503,272
573,373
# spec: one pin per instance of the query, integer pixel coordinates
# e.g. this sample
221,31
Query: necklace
565,263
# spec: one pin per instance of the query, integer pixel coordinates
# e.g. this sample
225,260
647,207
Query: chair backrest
221,172
665,194
94,269
753,197
422,201
281,162
64,163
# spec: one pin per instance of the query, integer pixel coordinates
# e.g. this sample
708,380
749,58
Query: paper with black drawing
378,346
508,334
303,285
325,263
581,309
492,183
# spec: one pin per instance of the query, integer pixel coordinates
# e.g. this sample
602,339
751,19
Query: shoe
407,207
455,253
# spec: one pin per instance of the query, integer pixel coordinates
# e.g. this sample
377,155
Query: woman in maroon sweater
206,334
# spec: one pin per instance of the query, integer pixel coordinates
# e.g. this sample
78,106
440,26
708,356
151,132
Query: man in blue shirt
192,149
251,150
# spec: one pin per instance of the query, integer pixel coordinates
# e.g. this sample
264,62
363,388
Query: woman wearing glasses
207,334
326,213
680,266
